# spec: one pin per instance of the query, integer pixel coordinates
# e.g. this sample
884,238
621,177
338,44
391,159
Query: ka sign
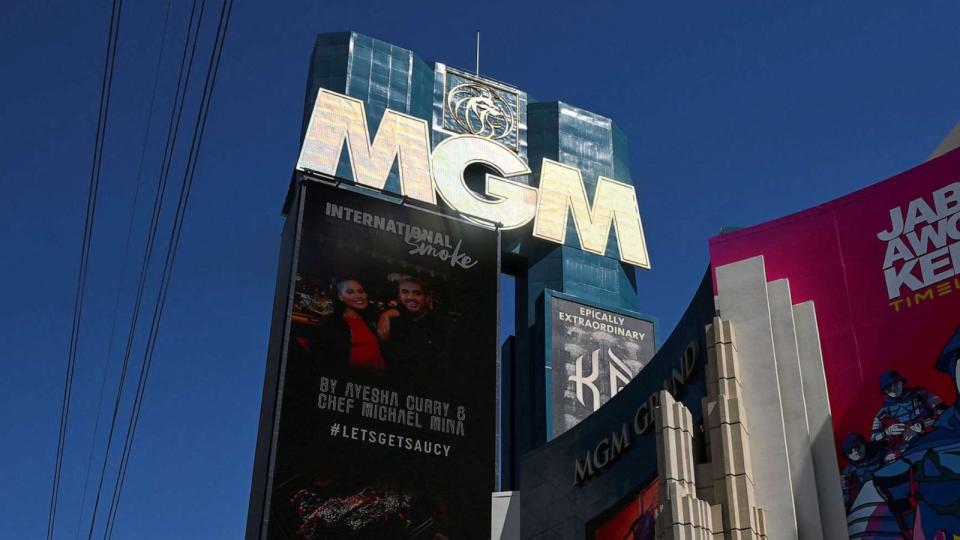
406,140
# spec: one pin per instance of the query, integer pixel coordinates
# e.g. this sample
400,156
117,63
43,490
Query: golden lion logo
480,111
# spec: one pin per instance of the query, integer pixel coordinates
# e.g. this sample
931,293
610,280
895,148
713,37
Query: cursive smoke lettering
454,257
425,242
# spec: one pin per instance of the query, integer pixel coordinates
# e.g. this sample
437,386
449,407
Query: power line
173,128
123,266
189,172
106,86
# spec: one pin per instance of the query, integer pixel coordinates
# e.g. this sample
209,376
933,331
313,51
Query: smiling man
410,333
413,297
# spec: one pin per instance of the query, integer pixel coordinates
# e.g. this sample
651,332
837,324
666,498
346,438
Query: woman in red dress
352,310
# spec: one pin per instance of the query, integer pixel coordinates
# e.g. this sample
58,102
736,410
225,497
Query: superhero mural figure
921,489
906,413
863,458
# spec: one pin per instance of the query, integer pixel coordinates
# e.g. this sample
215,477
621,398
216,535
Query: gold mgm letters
405,139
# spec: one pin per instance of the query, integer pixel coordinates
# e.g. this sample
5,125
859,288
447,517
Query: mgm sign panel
594,353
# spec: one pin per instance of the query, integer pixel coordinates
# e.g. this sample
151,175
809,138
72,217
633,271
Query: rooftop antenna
478,53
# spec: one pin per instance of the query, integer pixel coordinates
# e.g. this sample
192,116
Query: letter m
400,138
561,188
583,470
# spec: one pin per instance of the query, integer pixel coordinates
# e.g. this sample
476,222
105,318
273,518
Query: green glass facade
381,75
385,76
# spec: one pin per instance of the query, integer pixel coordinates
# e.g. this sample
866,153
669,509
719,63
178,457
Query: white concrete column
794,410
833,516
743,300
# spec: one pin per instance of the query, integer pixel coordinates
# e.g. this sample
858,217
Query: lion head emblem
480,111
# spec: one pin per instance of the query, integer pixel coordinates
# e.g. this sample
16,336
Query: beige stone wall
781,385
682,514
714,500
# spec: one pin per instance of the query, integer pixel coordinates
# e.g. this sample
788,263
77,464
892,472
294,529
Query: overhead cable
172,248
123,265
173,127
106,86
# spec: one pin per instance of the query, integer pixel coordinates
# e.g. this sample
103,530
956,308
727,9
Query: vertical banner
594,353
882,267
386,424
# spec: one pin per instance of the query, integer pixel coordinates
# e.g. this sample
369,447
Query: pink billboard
882,266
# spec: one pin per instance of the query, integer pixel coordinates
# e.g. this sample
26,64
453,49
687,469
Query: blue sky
736,113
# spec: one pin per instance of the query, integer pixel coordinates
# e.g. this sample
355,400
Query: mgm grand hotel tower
392,408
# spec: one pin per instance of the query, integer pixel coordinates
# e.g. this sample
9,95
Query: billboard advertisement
575,482
633,520
594,353
881,266
386,424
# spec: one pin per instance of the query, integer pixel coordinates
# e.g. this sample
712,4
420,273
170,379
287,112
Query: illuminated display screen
594,353
387,418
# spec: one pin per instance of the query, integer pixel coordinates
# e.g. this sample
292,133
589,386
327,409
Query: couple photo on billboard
397,334
387,416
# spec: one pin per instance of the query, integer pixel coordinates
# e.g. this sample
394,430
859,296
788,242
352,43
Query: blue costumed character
863,458
906,413
922,488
